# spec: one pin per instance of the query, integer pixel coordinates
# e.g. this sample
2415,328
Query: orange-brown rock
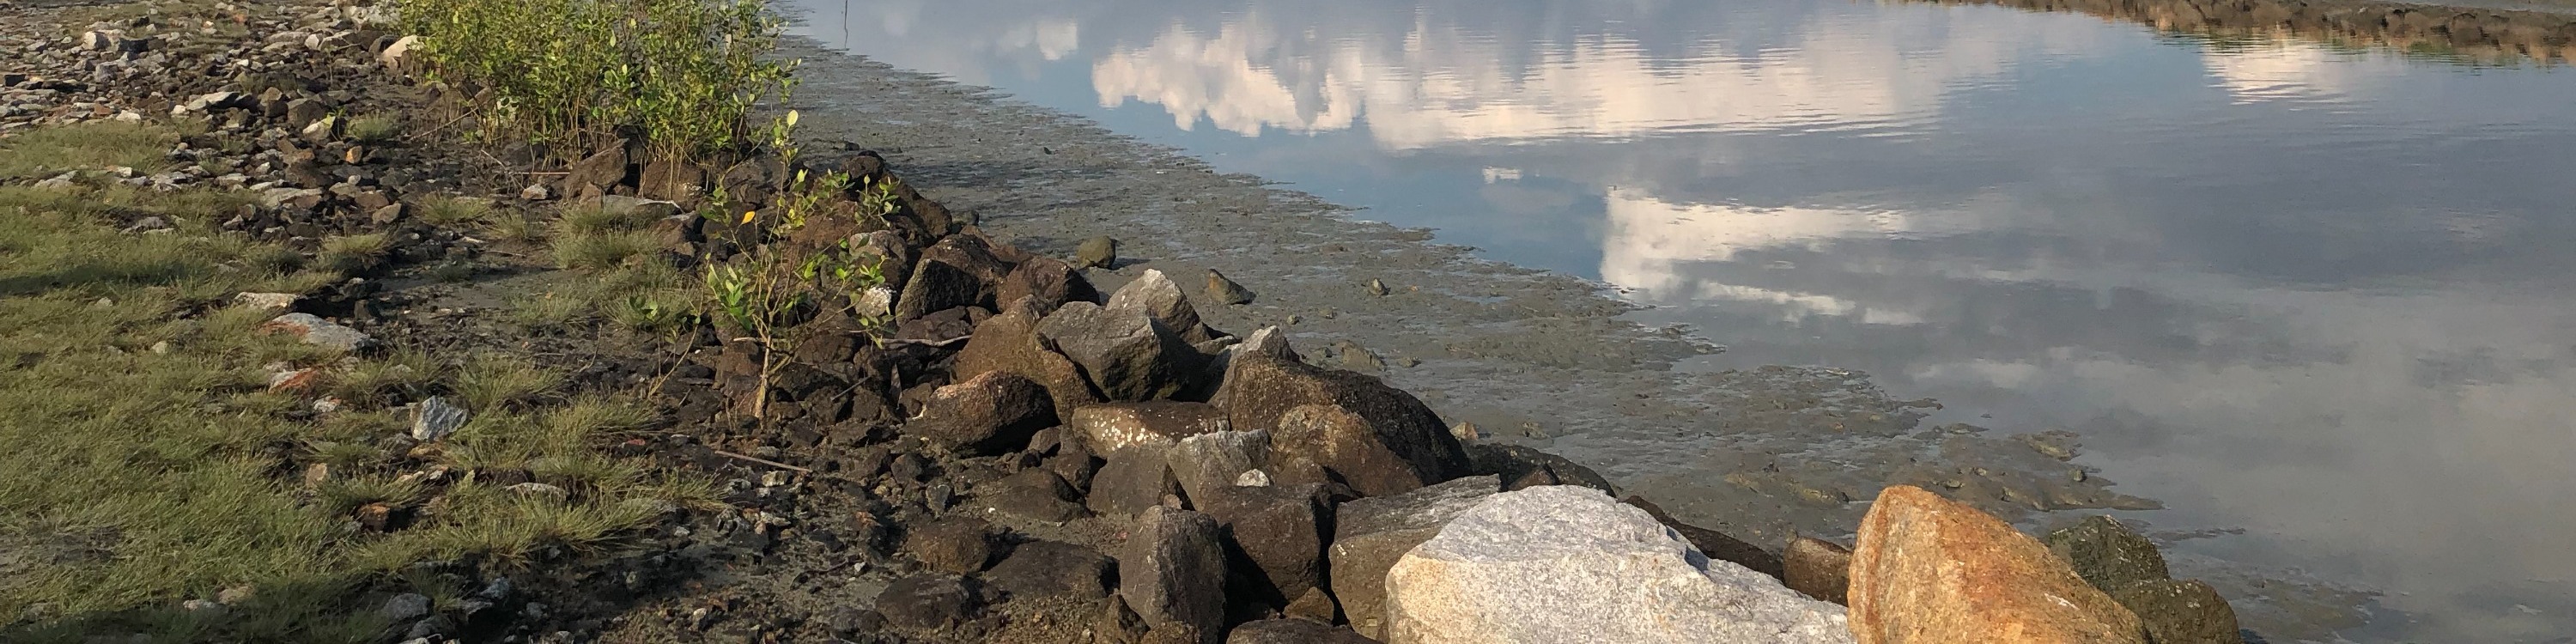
1929,570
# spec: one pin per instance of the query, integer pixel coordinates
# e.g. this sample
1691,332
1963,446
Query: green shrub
573,73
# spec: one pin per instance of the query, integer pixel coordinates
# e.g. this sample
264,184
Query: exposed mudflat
1530,357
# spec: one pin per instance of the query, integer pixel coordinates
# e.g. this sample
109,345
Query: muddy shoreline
2543,32
1530,357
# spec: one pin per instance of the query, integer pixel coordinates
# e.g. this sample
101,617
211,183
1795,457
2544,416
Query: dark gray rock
1260,389
405,607
1035,494
1717,545
928,600
1126,355
1053,569
962,545
2107,553
960,270
991,413
1279,533
598,171
1154,295
1207,463
1817,568
1369,535
1133,479
2180,611
1172,572
1523,467
1294,631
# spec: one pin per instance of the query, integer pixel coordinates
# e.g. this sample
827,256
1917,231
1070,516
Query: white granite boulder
1566,563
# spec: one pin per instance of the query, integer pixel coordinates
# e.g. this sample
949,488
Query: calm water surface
2319,300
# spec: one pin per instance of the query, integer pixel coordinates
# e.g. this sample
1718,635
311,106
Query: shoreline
1531,357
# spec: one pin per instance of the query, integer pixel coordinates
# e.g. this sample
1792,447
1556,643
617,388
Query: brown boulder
1369,422
1929,570
1049,281
992,413
960,270
1009,342
1111,426
1818,568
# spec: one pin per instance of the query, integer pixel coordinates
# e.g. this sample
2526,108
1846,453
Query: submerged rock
2107,553
1929,570
1097,252
1568,564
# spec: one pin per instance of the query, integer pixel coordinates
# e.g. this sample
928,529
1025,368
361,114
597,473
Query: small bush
373,130
455,211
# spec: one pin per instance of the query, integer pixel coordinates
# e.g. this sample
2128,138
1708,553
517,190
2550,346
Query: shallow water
2315,299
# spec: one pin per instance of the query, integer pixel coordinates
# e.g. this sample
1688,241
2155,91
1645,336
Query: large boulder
1344,447
1132,479
1928,570
992,413
1111,426
1010,343
1126,354
960,270
1052,569
1279,533
1154,295
1367,418
1047,281
1369,535
1566,564
2106,553
1172,572
1208,463
929,601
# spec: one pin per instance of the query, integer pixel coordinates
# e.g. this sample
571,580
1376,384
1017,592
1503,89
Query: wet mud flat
1529,357
2547,33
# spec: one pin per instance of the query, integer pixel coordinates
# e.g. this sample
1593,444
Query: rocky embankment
2474,32
989,448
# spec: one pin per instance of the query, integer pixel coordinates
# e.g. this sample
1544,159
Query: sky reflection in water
2318,294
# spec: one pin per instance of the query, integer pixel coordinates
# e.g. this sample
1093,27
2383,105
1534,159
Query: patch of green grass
456,211
355,253
145,478
490,382
371,384
374,129
549,311
605,250
92,145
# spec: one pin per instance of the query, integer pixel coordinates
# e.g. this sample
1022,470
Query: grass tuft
374,129
490,382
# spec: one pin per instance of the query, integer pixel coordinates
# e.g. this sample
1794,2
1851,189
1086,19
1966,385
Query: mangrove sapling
756,297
